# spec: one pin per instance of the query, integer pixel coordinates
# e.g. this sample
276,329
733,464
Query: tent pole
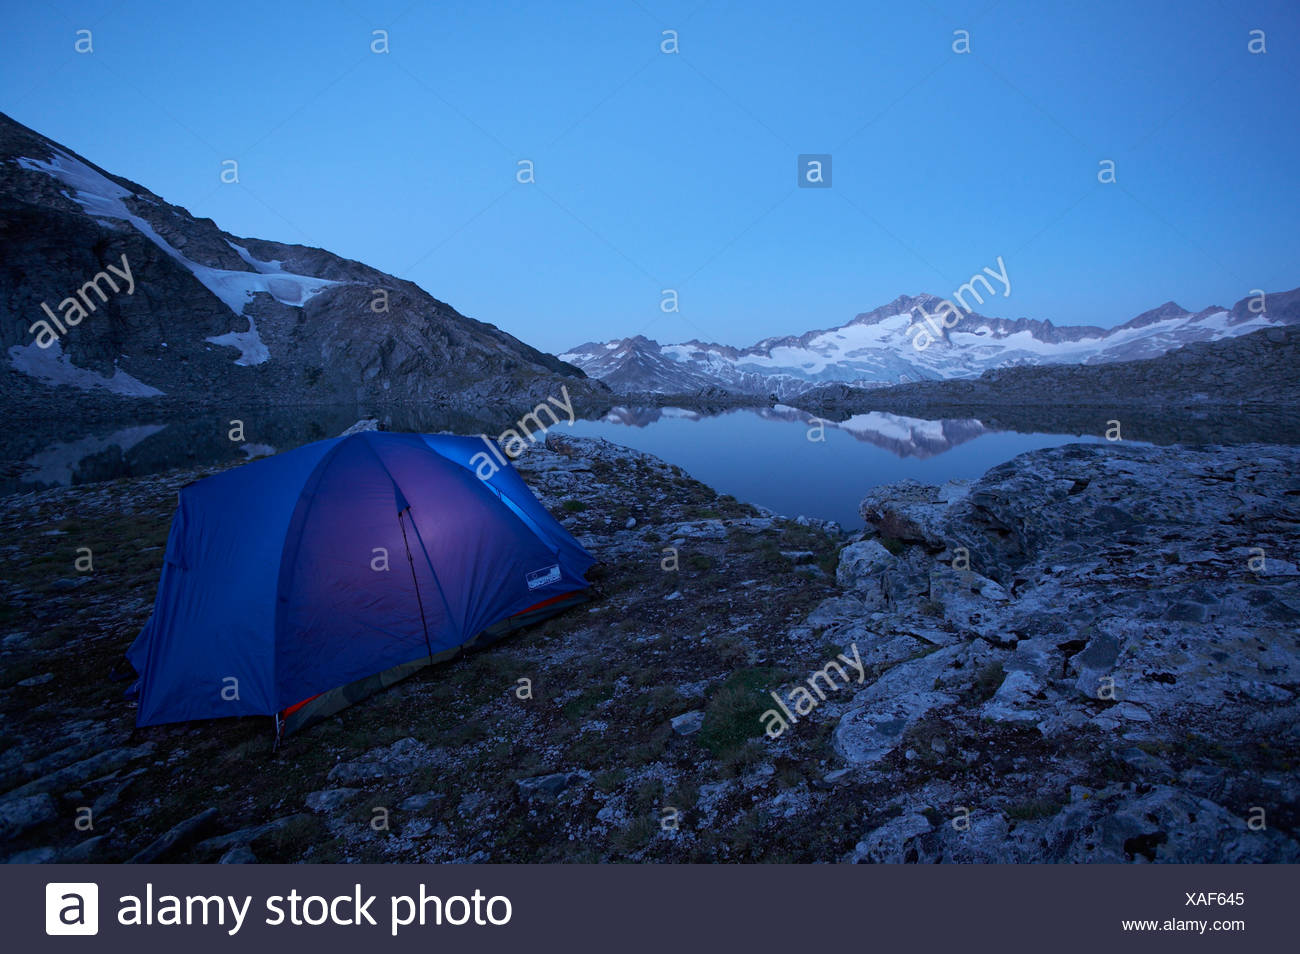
418,599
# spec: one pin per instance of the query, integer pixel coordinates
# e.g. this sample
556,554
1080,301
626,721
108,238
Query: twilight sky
677,170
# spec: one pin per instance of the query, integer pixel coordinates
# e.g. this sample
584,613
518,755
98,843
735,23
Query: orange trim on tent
298,705
537,606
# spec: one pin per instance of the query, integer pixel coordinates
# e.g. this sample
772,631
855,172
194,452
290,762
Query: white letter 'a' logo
71,907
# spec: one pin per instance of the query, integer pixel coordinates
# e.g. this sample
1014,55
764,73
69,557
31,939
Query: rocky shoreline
1088,654
1130,614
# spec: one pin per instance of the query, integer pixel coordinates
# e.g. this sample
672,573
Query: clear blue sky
678,171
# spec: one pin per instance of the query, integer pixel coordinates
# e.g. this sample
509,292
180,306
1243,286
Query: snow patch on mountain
103,199
252,350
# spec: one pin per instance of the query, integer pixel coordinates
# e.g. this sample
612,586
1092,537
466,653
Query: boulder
19,814
418,803
861,563
547,786
86,851
78,773
866,734
888,843
688,723
401,758
909,511
246,836
176,837
331,799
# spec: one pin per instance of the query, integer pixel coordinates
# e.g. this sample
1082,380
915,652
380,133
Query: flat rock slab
331,799
179,835
866,735
418,803
547,786
83,771
246,836
19,814
688,723
401,758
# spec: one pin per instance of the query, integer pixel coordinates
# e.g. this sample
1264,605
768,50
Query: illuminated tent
297,584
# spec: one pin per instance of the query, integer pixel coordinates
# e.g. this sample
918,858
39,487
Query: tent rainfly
297,584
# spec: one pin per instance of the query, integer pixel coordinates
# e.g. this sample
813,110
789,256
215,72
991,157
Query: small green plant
699,561
610,779
892,544
741,759
829,562
1034,808
289,841
987,681
636,835
584,702
574,506
732,716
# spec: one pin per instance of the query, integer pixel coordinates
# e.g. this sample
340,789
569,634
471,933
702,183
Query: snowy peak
1279,308
1169,311
880,347
638,364
902,305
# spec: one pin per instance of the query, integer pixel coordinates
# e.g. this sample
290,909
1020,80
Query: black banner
651,908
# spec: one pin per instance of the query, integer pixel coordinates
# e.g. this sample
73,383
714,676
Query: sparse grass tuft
1033,809
731,717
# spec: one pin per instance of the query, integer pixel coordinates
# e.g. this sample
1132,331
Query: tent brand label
544,576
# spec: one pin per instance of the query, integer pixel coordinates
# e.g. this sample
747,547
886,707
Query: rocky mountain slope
879,348
194,315
639,364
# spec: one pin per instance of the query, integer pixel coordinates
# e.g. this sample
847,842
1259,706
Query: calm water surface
780,458
783,460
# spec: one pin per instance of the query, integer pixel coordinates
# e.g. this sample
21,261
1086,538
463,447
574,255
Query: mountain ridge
1251,370
215,317
878,348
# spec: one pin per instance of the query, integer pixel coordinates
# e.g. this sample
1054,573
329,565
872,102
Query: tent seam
459,624
313,481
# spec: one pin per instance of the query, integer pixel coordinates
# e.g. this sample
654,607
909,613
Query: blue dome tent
297,584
